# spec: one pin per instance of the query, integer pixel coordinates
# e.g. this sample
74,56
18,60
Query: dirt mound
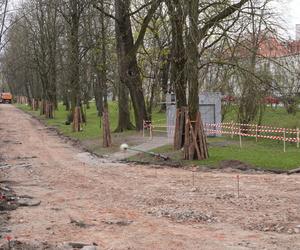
235,164
243,166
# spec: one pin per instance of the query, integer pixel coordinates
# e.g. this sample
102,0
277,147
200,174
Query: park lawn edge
266,155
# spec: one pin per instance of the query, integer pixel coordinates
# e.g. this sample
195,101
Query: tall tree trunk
123,105
193,59
128,66
74,62
103,70
164,79
178,59
98,92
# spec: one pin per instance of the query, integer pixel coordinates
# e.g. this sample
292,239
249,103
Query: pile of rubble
274,227
10,201
183,215
18,245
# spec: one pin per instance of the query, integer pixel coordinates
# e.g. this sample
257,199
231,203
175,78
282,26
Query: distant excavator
6,97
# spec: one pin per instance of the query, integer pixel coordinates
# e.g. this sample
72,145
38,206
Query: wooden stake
143,128
183,117
193,178
194,136
176,134
202,137
238,186
151,131
256,133
240,135
231,129
284,142
187,140
298,133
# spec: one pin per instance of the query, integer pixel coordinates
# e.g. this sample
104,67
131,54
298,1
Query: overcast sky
289,9
291,13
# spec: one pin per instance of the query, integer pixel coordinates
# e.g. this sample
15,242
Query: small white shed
210,107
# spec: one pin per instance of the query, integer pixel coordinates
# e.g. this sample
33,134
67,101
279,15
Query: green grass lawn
266,153
263,154
92,129
272,117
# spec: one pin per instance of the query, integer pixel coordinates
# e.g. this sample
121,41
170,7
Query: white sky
290,10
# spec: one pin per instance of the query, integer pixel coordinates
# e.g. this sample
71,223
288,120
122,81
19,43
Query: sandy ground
120,206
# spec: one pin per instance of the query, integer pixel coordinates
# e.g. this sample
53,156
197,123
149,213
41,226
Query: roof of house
273,48
269,47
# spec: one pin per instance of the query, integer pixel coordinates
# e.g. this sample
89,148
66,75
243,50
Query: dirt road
119,206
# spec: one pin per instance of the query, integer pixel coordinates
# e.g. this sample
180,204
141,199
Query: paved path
156,142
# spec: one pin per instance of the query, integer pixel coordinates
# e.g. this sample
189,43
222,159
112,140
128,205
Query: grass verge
264,154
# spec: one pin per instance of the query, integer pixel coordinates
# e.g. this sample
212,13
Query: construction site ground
54,194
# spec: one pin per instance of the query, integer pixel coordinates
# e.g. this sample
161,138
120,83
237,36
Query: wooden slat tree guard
22,99
42,107
190,136
49,110
77,119
179,136
34,104
107,142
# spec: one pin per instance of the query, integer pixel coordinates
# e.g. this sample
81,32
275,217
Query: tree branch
105,13
145,24
217,18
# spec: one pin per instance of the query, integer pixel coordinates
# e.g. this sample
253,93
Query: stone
118,222
280,229
26,202
78,245
89,248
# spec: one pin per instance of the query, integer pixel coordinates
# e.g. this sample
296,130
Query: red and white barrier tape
278,138
279,130
263,129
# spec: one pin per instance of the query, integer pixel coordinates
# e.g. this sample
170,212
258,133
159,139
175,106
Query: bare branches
3,20
102,10
145,24
219,17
